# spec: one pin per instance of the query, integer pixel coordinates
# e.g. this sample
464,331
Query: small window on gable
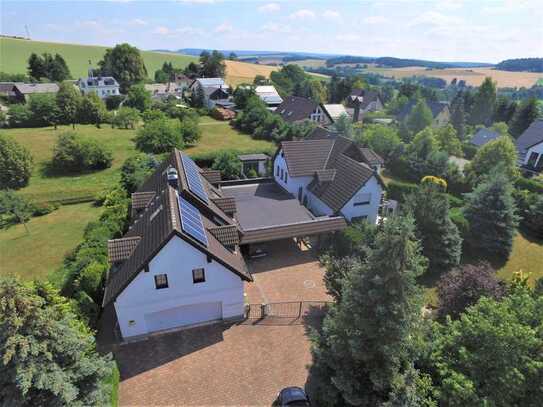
282,173
277,171
362,199
286,176
161,281
198,275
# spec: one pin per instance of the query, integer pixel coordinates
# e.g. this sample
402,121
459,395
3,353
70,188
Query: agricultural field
216,135
37,253
242,72
14,54
472,76
313,63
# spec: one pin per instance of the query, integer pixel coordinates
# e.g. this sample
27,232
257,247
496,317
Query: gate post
300,310
262,310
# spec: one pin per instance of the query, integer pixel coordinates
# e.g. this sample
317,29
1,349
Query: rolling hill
14,54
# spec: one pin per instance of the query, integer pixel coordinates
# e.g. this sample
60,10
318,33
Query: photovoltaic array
191,221
194,181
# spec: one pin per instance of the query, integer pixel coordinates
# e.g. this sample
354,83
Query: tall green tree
92,110
344,126
159,136
447,140
14,208
420,117
366,348
44,110
138,97
525,114
36,67
484,103
439,236
16,164
49,357
125,64
492,355
228,163
212,64
501,152
491,213
505,109
458,115
68,101
47,66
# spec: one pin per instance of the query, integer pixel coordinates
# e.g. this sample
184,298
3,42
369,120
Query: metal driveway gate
290,309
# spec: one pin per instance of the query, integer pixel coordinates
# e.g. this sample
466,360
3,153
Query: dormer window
161,281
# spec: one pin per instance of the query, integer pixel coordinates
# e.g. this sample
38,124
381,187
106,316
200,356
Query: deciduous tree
484,103
68,101
125,64
228,163
16,164
525,114
501,152
420,117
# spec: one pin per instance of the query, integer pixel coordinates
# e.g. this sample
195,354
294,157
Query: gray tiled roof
435,108
532,135
28,88
483,136
304,157
295,108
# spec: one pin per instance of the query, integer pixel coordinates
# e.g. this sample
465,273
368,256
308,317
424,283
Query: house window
358,219
286,176
362,199
533,159
300,189
277,171
281,173
198,276
161,281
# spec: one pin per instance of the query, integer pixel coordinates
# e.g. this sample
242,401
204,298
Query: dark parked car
292,396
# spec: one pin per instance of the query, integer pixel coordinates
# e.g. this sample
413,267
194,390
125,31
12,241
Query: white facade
142,308
102,86
534,156
364,203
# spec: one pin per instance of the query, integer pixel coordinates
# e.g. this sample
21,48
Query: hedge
529,184
399,190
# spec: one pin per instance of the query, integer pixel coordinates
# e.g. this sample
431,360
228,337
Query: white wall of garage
140,301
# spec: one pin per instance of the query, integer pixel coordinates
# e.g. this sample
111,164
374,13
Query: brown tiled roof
228,235
325,175
304,157
371,157
227,204
212,176
295,108
350,176
309,228
141,199
121,249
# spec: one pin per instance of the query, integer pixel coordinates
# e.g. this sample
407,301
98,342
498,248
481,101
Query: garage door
185,315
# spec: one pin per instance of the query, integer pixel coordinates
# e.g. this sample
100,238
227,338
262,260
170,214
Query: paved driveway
243,364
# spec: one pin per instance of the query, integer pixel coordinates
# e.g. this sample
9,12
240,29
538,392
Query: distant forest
391,62
521,64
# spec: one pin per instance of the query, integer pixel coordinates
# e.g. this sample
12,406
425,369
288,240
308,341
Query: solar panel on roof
192,175
191,221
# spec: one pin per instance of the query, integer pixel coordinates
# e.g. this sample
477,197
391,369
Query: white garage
184,315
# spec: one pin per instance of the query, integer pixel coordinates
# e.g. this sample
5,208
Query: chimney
173,179
356,112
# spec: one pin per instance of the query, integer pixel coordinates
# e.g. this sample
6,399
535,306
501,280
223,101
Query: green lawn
51,236
14,55
40,141
216,135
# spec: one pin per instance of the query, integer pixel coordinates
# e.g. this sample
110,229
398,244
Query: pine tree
505,109
458,115
525,114
420,117
440,238
490,211
484,104
366,346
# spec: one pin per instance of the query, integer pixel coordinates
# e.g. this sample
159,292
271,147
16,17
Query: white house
330,176
103,86
180,263
214,91
530,147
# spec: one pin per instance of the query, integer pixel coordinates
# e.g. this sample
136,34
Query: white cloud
375,20
224,28
331,14
347,37
269,8
303,14
277,28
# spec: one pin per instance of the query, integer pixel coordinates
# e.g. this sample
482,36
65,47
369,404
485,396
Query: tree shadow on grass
48,170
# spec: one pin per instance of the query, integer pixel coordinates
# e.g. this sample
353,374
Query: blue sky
446,30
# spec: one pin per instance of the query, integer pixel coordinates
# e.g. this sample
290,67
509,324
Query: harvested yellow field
472,76
313,63
242,72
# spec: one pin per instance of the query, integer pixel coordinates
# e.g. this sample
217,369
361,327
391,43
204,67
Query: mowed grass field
216,135
14,55
472,76
36,254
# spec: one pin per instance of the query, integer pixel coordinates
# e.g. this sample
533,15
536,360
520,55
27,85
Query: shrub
531,185
113,102
228,164
159,136
41,209
15,164
135,171
138,98
19,116
90,279
457,217
399,190
153,114
439,183
73,154
126,117
469,150
190,131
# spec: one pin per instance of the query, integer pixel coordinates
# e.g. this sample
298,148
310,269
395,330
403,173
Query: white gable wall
538,148
372,187
177,259
293,183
